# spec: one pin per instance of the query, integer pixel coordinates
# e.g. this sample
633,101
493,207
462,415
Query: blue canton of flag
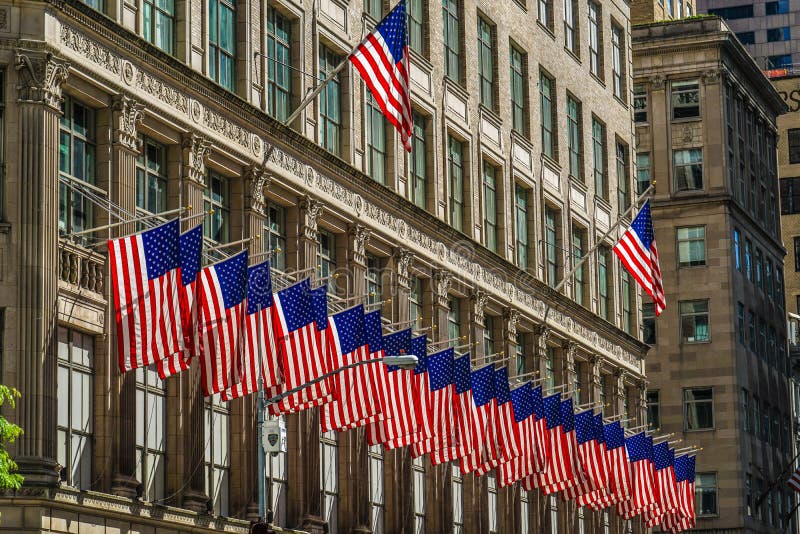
501,386
393,30
461,373
684,468
640,447
395,344
319,306
521,402
232,276
613,435
419,348
160,251
373,331
482,383
663,456
552,410
599,435
440,369
190,252
259,288
350,328
296,305
567,416
536,402
585,426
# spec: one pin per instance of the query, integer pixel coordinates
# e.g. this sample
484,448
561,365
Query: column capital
442,279
479,299
511,317
195,150
403,258
128,113
310,210
711,76
360,236
258,180
39,77
570,349
657,82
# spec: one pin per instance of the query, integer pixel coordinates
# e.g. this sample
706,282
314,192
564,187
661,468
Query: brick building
719,372
522,158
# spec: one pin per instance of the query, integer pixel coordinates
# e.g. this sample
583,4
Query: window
779,286
75,396
415,296
519,100
275,234
551,246
519,347
376,489
604,282
737,253
794,145
76,162
222,42
150,433
452,44
790,196
489,348
648,323
574,136
330,113
762,338
642,172
454,321
688,168
759,278
740,327
746,38
326,259
698,404
744,11
374,280
639,103
745,406
550,368
685,99
329,478
748,264
780,61
216,196
95,4
418,164
623,188
768,285
580,281
279,64
547,113
595,61
772,350
653,410
416,25
705,490
486,63
627,302
694,321
521,225
765,428
151,177
599,158
778,34
491,497
376,141
796,254
691,246
777,8
617,62
374,8
751,330
490,206
570,27
418,471
158,23
455,161
756,417
545,14
217,457
457,483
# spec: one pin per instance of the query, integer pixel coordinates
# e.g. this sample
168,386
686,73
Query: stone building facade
643,11
719,373
523,158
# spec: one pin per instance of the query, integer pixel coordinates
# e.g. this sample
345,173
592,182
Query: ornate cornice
128,113
40,75
195,150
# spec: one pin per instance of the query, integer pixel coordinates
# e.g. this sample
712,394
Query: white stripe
123,304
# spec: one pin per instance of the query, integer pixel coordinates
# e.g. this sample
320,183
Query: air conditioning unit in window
273,436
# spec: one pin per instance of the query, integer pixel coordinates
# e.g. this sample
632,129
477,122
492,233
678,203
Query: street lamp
272,433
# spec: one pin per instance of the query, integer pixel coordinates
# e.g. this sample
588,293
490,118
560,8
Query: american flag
400,421
443,444
794,481
221,301
375,375
599,468
684,517
421,439
145,271
463,404
638,253
508,439
620,483
640,454
483,449
539,430
382,60
590,457
522,465
573,483
191,248
258,355
665,485
353,401
559,472
300,350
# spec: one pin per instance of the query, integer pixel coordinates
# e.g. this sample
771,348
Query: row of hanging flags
170,311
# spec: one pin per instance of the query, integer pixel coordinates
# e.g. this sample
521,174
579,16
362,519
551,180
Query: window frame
618,61
147,170
699,487
595,30
547,115
149,385
376,137
491,190
690,239
275,233
599,158
87,139
152,27
330,120
518,61
695,315
521,226
455,172
418,170
486,63
574,137
679,89
691,171
687,402
216,51
213,407
279,38
451,39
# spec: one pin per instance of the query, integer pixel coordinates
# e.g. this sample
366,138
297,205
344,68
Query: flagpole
134,220
774,483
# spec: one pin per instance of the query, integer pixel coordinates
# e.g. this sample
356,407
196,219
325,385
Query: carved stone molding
403,258
128,113
595,374
479,299
195,150
542,333
511,317
657,82
39,77
570,350
442,279
257,181
360,236
310,210
711,76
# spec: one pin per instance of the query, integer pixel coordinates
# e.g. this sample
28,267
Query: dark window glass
735,12
653,411
685,99
778,34
794,145
747,37
780,61
698,408
790,196
777,8
648,323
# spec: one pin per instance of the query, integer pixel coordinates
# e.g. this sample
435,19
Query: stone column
194,496
540,334
508,499
398,477
354,506
39,79
567,510
641,402
126,115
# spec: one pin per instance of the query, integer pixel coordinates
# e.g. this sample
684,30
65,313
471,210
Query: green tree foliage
9,433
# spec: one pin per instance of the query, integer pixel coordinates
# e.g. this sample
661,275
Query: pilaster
39,79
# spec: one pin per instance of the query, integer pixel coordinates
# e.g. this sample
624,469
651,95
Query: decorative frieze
40,75
90,49
127,115
157,88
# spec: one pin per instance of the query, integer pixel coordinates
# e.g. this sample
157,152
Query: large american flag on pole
221,298
665,485
145,273
637,251
421,440
382,60
462,404
524,464
375,375
590,456
794,481
191,250
599,469
508,438
620,483
684,517
558,472
640,454
446,444
483,450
